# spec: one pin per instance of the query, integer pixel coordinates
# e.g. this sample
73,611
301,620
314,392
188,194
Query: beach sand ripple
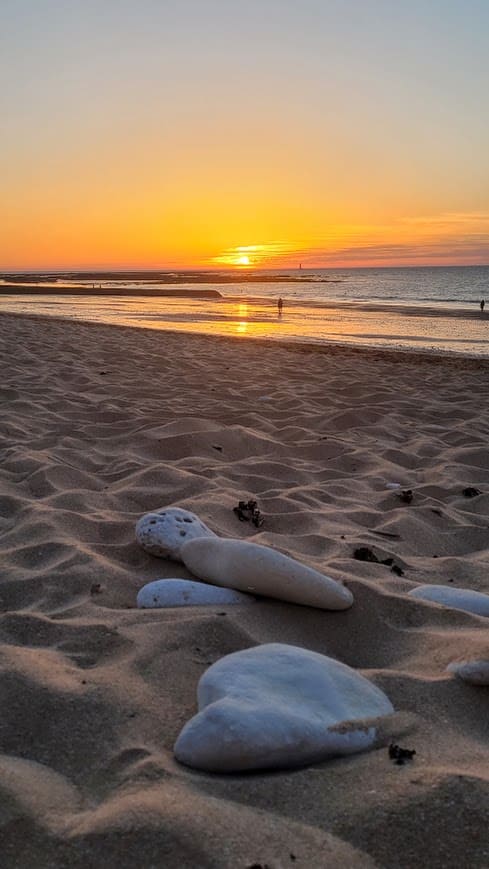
102,424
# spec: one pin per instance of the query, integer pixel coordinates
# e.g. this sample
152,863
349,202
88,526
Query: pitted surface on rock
164,531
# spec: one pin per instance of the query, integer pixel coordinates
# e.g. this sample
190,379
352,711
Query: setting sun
249,255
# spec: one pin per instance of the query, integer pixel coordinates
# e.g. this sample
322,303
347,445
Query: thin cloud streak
444,239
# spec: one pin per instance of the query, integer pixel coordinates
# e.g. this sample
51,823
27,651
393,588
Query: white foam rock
279,706
260,570
474,672
456,598
163,532
185,592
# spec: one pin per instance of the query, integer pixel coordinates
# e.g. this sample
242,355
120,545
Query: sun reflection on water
242,325
347,323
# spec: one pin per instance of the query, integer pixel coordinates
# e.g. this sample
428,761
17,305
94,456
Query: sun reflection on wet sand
346,323
242,326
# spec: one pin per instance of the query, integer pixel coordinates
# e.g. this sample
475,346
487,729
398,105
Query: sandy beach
101,424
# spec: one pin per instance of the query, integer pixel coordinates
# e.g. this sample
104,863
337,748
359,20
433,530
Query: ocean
434,309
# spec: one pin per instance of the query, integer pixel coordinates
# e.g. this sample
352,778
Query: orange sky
156,137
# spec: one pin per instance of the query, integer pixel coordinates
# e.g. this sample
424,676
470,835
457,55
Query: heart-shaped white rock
263,571
278,706
163,532
185,592
457,598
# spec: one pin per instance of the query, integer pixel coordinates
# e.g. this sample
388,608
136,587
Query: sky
243,133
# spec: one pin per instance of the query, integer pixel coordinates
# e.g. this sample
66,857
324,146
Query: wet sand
450,330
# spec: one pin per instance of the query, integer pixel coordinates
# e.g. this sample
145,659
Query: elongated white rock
163,532
263,571
278,706
457,598
185,592
474,672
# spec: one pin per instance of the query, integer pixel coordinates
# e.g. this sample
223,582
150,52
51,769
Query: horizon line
230,270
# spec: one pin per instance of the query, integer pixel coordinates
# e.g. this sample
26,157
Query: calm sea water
435,309
427,285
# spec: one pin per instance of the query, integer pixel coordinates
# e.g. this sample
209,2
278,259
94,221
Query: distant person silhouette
280,305
482,305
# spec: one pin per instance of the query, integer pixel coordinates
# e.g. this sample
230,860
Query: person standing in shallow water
482,304
280,305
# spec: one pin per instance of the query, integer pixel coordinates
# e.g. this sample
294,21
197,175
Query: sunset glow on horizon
164,136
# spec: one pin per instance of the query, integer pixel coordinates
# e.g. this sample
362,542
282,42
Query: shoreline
325,347
426,308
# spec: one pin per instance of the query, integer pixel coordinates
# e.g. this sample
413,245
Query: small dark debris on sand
471,492
247,511
406,496
364,553
95,588
400,755
216,447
